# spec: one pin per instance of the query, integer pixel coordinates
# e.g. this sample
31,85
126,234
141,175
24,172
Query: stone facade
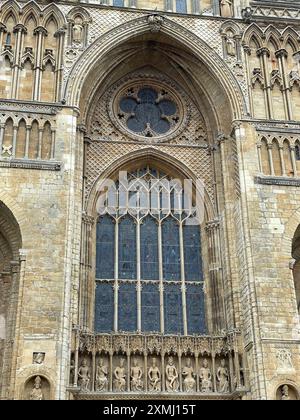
232,69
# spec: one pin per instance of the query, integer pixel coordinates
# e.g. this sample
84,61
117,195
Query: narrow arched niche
37,388
287,392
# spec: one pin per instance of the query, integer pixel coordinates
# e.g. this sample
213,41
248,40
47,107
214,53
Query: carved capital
247,49
281,53
40,30
2,28
221,137
81,128
60,32
212,225
89,220
20,28
15,266
87,140
263,52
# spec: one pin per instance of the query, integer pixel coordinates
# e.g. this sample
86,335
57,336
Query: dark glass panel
150,308
149,250
105,248
195,309
104,308
192,253
127,248
181,6
127,307
171,250
118,3
173,309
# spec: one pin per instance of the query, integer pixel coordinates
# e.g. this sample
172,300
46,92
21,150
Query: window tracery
150,258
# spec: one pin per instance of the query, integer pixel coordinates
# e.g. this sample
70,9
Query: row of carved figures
154,376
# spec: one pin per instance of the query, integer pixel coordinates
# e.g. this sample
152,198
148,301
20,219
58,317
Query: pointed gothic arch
82,78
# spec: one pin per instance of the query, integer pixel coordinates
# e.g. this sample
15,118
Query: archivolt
97,52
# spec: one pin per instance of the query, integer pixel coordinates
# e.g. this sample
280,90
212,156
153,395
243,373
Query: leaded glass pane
127,307
149,250
104,307
181,6
150,308
127,248
173,309
118,3
192,253
195,309
105,248
171,250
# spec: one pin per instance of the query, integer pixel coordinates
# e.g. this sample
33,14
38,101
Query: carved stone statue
285,393
37,393
77,31
120,377
72,372
172,383
226,8
136,377
223,377
154,376
230,46
101,377
188,373
205,377
84,376
38,358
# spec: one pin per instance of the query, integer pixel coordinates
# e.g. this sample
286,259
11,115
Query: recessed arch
146,156
10,245
85,76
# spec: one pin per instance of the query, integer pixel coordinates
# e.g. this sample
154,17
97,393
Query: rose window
148,111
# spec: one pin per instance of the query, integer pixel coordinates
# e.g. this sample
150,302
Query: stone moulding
237,395
280,181
30,164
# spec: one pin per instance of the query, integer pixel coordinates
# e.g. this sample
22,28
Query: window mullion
138,273
116,285
183,285
161,276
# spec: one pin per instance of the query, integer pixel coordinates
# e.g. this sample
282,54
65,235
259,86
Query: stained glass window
104,307
149,249
173,309
171,250
118,3
148,114
297,152
192,253
127,307
127,248
181,6
132,299
105,244
195,309
150,308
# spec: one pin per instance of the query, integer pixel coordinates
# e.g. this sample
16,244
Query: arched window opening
149,275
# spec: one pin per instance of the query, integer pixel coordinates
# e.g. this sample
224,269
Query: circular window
151,111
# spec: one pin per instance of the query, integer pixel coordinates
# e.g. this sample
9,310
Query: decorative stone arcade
121,366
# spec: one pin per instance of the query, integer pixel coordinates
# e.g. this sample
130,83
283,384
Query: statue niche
37,388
